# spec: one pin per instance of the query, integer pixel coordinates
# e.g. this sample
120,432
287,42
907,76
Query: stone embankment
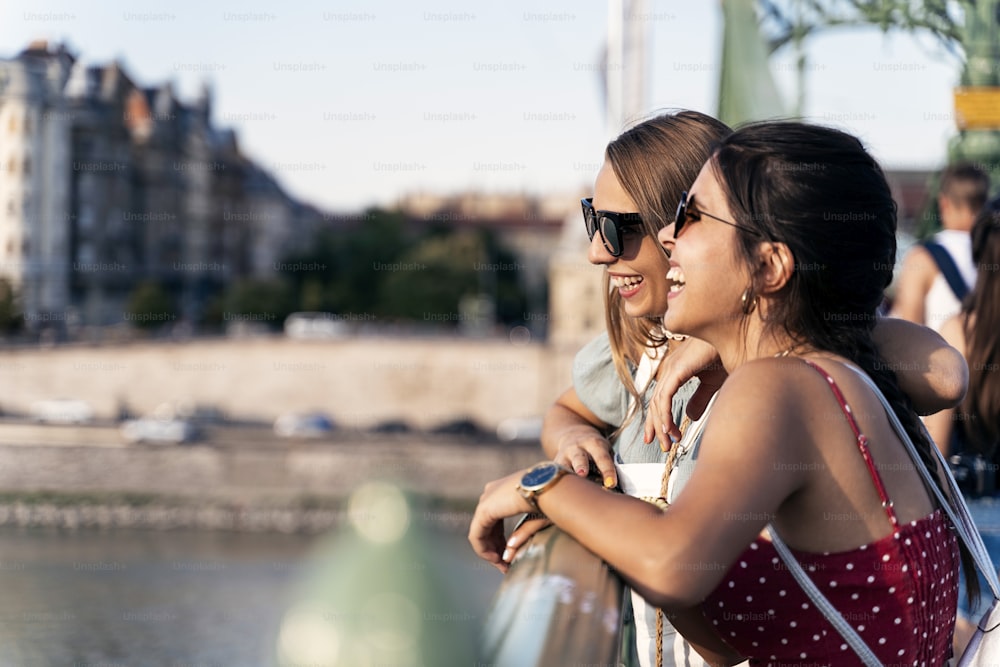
249,480
299,486
359,381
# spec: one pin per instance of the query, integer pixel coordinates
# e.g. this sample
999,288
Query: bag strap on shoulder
946,265
836,619
956,509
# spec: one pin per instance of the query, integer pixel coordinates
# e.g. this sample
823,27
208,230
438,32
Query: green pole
981,41
378,593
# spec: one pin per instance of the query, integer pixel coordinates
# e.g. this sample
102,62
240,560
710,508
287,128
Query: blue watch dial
539,476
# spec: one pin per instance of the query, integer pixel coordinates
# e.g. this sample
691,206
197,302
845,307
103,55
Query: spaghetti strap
862,441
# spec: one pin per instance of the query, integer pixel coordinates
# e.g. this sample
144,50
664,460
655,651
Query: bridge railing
559,604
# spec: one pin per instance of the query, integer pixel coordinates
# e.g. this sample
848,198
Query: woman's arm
697,631
573,436
930,371
687,358
676,558
940,424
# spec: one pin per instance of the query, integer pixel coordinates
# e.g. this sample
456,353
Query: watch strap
531,495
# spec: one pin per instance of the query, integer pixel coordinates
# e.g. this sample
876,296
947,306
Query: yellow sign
977,108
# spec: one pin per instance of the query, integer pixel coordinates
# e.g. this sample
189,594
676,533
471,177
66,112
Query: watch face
538,476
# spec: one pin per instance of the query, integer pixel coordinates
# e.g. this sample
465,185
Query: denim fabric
600,389
597,384
986,514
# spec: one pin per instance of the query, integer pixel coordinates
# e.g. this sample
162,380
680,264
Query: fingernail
506,556
609,482
663,447
663,427
581,471
673,440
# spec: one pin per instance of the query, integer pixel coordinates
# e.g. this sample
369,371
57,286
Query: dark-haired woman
783,247
971,433
602,415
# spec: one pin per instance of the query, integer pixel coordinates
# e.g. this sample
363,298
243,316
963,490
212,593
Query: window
86,218
86,253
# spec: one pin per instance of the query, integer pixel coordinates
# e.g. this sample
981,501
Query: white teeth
676,278
626,281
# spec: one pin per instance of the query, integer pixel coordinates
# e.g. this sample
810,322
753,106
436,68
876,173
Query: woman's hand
582,446
574,437
500,500
524,531
687,358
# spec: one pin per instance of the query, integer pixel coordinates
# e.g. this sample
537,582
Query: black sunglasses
610,224
687,210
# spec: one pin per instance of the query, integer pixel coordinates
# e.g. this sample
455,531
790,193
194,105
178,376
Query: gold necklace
663,504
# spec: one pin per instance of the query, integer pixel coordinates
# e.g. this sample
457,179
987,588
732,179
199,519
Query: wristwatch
539,479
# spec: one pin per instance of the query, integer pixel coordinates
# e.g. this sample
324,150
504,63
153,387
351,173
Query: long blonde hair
655,161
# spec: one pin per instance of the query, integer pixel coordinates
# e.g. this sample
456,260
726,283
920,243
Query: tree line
386,269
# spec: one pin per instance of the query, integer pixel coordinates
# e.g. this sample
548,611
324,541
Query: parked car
461,426
62,411
159,430
520,429
306,325
392,426
303,425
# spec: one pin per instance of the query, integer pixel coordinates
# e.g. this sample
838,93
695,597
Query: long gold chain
663,503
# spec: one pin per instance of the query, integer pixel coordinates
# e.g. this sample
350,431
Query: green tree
267,302
428,282
383,268
343,268
969,30
150,306
11,317
501,279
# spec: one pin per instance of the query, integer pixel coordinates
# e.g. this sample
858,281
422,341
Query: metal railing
558,605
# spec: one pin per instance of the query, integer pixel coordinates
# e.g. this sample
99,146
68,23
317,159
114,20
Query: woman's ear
776,267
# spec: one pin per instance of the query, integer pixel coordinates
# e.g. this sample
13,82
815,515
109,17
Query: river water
175,598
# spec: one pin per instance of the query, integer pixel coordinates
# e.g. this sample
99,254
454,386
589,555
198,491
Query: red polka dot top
899,593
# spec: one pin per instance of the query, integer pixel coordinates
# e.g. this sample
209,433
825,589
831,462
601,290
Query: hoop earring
747,303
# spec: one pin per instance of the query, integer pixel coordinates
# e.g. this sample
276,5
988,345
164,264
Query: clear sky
353,103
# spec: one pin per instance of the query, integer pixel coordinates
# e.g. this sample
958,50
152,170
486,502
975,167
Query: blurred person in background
969,435
938,273
610,411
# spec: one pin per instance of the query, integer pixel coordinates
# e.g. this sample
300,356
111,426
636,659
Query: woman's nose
666,238
597,253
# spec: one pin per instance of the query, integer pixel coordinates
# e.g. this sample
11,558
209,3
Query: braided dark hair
819,192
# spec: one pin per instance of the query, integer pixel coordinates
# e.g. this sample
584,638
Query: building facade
35,161
106,184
